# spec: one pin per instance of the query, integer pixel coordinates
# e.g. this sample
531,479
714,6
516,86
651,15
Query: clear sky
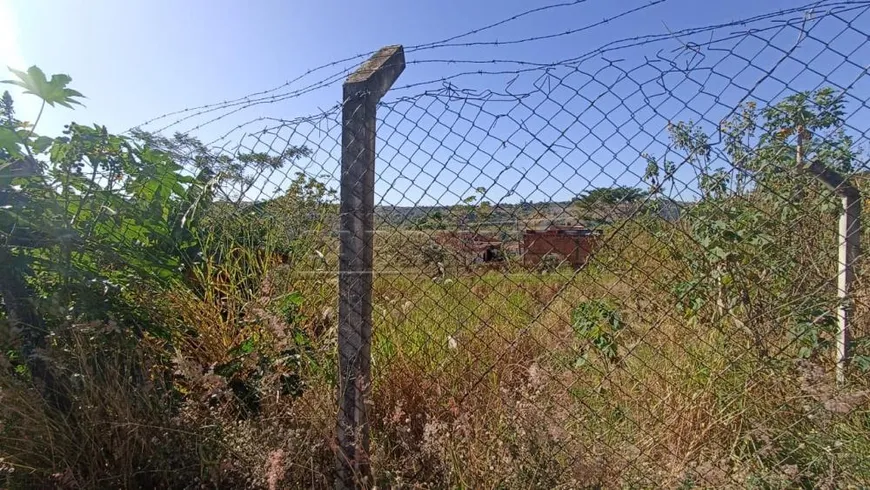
138,59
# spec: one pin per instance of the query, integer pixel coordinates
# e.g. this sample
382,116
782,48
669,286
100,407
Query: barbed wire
248,98
252,100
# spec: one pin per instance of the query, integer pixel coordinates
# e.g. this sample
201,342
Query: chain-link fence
639,267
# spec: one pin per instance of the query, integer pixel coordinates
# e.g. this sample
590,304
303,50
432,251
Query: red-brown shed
573,244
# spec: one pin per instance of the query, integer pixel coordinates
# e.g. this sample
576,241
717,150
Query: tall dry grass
481,380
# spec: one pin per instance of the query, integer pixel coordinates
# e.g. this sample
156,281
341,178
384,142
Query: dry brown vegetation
481,381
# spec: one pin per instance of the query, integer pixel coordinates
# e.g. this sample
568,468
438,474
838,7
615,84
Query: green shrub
599,323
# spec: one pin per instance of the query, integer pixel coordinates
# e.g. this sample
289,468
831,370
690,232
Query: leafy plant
236,174
599,323
51,92
813,331
550,263
611,195
754,198
96,225
433,254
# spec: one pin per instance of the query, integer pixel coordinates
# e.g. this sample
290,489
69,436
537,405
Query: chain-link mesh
617,270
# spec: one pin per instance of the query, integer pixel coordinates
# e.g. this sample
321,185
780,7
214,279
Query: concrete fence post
849,248
361,93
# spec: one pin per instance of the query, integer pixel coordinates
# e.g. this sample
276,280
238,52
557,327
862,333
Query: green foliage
689,301
432,221
652,173
599,323
744,261
292,224
7,109
550,263
611,195
861,358
469,210
237,172
89,221
813,329
8,147
51,92
433,254
97,226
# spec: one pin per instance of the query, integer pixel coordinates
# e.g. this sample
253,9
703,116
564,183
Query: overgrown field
491,381
159,334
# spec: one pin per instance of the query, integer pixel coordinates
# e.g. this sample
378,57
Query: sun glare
10,54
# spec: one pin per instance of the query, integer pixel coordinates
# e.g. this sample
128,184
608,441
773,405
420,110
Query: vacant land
158,334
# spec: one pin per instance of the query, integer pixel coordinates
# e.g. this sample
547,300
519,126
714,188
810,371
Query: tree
7,110
611,195
88,221
237,173
431,221
760,233
22,189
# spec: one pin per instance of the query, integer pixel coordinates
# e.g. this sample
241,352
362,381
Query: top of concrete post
833,180
378,73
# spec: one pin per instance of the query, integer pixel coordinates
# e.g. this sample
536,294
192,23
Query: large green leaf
9,142
52,91
41,144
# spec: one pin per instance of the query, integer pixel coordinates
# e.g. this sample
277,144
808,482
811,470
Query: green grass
494,358
481,380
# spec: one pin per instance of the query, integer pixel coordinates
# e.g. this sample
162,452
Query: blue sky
136,60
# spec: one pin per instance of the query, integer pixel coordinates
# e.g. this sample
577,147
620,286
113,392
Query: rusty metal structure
573,245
